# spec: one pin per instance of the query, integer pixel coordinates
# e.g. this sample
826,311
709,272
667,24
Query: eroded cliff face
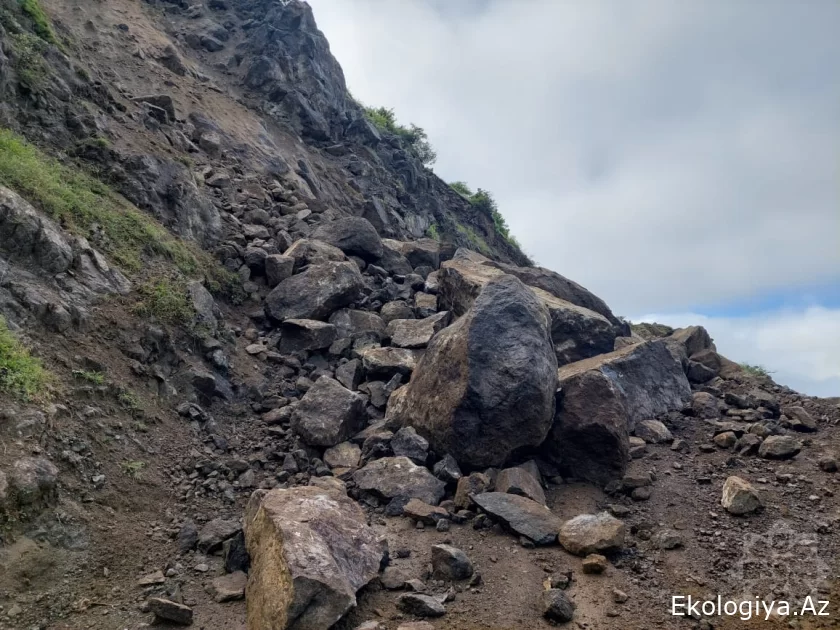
249,88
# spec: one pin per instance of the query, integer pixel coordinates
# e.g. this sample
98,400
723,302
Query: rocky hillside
260,368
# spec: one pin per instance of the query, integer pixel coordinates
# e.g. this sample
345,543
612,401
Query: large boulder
316,293
307,251
351,322
391,477
421,253
354,236
416,333
576,331
311,551
602,400
486,385
328,414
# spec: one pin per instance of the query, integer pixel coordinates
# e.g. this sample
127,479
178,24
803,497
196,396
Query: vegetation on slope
484,201
413,138
21,375
40,22
84,205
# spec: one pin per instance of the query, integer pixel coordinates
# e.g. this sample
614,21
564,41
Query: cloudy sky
680,159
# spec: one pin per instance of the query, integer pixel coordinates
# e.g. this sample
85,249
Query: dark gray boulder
522,515
354,236
316,293
603,398
486,385
328,414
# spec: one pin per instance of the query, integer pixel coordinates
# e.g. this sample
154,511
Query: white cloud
664,154
801,348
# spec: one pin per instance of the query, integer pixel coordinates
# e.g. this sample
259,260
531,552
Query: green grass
434,231
129,400
755,370
40,22
82,203
96,378
133,468
166,300
21,375
475,240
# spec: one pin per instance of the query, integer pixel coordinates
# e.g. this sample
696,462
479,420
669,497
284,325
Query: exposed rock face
603,399
416,333
33,480
354,236
522,482
311,551
328,414
316,293
494,364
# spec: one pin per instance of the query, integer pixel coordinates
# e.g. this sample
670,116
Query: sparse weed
133,468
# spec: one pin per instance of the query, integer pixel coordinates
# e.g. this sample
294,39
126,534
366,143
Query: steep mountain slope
245,331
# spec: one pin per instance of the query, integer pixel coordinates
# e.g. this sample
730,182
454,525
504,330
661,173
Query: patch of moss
21,375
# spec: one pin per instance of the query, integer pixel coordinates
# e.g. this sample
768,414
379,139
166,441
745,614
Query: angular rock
306,252
231,587
592,533
425,305
384,363
420,605
653,432
603,399
423,512
416,333
328,414
799,419
350,374
396,310
354,236
694,339
447,470
303,335
351,322
594,564
168,610
779,447
524,516
450,563
33,480
278,268
215,533
739,497
468,487
556,606
406,443
316,293
311,551
520,481
425,251
391,477
704,406
344,455
486,384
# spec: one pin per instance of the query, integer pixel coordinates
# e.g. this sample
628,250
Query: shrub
29,60
21,375
484,201
434,232
414,138
97,378
755,370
